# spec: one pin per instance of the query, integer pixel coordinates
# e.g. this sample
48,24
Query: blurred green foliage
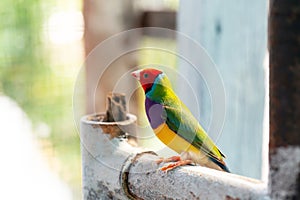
44,91
21,59
27,77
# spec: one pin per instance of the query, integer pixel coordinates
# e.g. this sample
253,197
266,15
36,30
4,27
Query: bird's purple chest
155,113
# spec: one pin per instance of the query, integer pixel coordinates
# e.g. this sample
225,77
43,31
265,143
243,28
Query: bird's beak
136,74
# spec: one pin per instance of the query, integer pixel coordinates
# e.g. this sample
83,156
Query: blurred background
44,44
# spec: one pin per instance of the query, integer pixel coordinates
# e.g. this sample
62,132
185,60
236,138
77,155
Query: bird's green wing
180,120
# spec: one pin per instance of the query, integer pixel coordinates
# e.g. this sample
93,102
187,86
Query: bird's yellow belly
183,147
172,140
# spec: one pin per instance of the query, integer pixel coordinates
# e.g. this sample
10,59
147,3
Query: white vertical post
103,156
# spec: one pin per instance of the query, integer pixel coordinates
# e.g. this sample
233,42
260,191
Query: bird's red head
146,77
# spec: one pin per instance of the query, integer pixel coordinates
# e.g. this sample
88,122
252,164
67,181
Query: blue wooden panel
234,33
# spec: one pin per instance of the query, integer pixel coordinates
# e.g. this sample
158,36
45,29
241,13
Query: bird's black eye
146,75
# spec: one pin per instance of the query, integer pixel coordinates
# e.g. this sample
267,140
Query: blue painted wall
234,34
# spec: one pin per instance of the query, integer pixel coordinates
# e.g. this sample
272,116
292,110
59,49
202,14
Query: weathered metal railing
112,168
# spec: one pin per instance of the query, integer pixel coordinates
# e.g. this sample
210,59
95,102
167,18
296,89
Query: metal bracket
124,173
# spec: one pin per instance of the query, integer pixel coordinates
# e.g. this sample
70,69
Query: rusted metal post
116,107
284,44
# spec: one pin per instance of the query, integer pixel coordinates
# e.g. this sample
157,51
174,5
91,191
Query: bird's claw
175,165
159,161
171,159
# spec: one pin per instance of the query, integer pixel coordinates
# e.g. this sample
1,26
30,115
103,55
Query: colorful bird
174,124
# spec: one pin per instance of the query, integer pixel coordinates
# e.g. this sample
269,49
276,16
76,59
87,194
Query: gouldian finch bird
174,124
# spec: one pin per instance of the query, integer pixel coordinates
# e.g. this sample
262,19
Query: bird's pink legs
176,159
171,159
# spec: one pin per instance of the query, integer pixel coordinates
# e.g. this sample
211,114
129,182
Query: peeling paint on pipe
104,162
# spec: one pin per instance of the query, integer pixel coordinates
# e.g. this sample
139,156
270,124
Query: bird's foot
175,165
171,159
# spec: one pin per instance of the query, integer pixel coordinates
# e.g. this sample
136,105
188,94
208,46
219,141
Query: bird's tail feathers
221,164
